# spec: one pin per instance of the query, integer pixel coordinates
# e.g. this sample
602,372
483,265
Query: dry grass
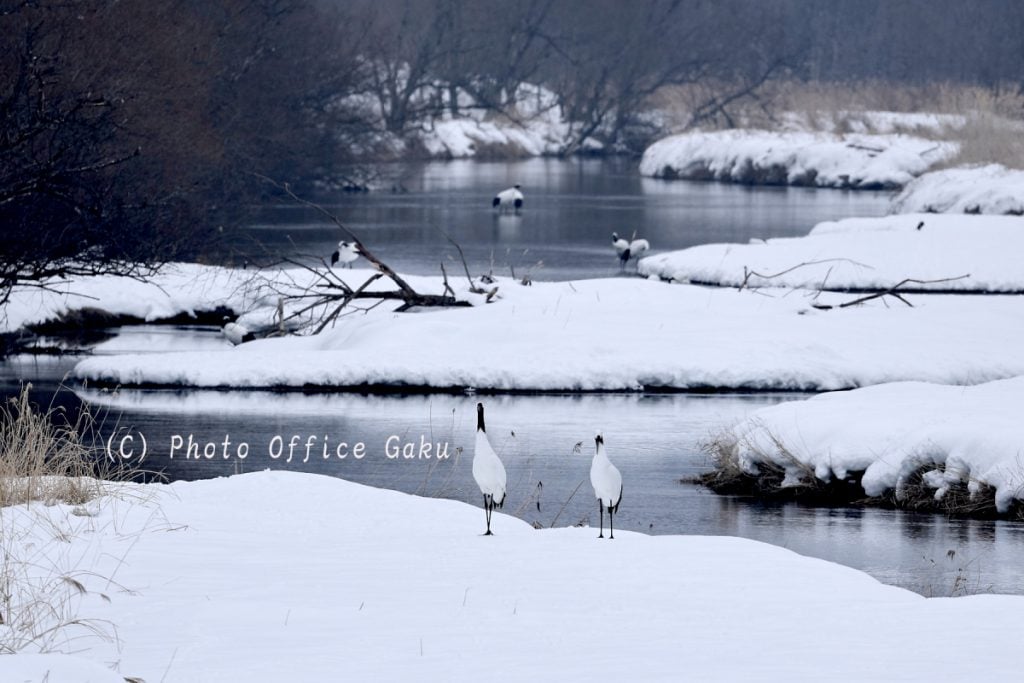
43,455
988,138
46,459
769,482
987,122
957,500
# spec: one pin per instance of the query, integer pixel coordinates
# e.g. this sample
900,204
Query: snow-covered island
951,253
604,335
852,161
284,576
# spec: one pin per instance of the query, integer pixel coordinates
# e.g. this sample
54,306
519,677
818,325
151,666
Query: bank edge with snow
757,157
952,449
943,253
613,335
991,189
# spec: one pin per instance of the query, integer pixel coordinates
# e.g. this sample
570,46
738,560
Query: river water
545,441
564,231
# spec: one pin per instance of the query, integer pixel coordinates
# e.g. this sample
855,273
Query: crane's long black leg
611,522
487,515
600,511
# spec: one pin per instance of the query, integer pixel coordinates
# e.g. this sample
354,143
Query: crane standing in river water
512,198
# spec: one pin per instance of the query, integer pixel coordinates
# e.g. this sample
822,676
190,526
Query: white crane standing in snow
488,471
629,250
511,198
607,482
346,253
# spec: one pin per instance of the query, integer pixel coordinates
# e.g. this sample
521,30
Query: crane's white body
488,471
235,333
621,249
346,253
607,482
606,479
510,199
637,248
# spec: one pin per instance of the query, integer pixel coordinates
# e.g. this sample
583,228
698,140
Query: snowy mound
465,137
969,437
279,576
536,127
822,160
864,254
618,335
178,288
990,189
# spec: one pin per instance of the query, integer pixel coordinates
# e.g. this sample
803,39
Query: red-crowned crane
346,253
629,250
621,249
637,248
488,471
607,483
510,199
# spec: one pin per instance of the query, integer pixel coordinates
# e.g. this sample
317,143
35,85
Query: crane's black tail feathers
615,508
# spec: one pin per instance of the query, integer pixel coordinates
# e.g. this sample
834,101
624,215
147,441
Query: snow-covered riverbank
894,438
177,289
854,161
619,334
864,254
202,583
991,189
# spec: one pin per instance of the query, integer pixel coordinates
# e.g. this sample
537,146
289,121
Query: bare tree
129,132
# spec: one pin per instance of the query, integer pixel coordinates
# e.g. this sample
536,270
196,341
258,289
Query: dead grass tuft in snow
794,480
956,500
43,455
772,481
47,460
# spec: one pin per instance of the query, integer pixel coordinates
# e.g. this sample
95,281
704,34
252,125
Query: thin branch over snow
893,291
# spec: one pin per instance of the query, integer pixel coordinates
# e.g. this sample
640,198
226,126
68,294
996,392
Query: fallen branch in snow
462,257
892,291
324,301
865,148
748,273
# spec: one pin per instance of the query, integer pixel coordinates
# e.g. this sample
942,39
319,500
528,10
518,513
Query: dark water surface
564,231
